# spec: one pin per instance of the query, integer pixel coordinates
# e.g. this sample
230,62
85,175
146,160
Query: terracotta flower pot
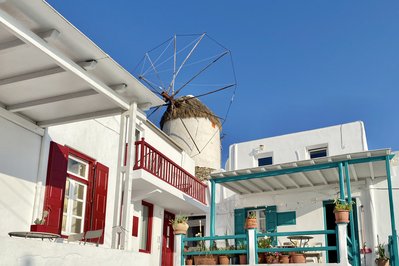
298,258
223,260
243,259
180,229
382,262
205,260
341,216
284,259
189,262
251,223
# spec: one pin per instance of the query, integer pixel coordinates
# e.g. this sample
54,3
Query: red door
168,240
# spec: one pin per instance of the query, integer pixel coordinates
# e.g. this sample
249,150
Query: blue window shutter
271,221
286,218
239,221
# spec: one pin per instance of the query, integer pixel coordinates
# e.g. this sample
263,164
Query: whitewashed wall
19,157
20,251
206,137
340,139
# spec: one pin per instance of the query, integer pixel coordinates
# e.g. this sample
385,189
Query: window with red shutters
76,192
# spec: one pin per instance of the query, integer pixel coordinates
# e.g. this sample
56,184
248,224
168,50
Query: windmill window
317,153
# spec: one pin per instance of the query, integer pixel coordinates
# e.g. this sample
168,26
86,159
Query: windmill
195,76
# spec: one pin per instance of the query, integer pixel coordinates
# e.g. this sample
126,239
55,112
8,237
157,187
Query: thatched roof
187,107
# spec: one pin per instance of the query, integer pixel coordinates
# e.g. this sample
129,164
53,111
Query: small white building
289,182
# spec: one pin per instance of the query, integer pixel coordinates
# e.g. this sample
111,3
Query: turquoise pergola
342,163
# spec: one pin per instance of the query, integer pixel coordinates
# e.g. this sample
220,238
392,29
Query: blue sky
300,65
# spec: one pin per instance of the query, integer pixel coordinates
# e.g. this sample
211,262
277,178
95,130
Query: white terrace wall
340,139
19,158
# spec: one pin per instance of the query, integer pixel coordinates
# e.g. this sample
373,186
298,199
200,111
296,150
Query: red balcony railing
156,163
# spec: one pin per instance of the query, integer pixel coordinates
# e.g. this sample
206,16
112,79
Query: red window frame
149,228
96,195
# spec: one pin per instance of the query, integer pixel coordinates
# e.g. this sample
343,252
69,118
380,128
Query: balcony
156,163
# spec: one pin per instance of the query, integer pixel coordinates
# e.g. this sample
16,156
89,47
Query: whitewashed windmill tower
196,129
201,67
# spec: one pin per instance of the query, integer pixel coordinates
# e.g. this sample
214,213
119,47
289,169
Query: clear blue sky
300,64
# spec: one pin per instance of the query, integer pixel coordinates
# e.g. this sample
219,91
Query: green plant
241,246
179,219
381,250
265,242
342,205
43,220
252,215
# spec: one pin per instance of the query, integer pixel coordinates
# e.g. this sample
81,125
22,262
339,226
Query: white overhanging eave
60,59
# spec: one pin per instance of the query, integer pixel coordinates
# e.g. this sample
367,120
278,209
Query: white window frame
263,155
86,177
69,212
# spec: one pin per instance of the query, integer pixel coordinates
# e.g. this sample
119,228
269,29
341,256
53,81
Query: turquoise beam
352,221
341,182
395,260
296,169
213,208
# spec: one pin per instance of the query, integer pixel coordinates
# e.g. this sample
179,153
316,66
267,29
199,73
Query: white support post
123,206
116,228
251,247
127,194
177,261
342,245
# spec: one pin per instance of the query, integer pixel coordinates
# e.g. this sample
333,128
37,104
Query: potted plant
251,221
382,259
206,259
284,258
298,257
179,224
38,225
242,257
224,259
341,211
264,242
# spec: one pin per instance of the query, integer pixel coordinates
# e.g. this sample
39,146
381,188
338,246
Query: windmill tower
197,130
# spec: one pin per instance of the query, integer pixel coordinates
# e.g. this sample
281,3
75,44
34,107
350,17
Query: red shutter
100,198
55,186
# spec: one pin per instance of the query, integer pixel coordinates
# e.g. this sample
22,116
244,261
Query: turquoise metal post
341,183
351,224
395,260
213,206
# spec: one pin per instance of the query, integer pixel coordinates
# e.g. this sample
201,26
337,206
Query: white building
75,143
290,181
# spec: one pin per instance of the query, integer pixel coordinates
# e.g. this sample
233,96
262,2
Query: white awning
51,73
269,180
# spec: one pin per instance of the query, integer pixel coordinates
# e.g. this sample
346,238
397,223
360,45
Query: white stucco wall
20,251
19,157
206,137
340,139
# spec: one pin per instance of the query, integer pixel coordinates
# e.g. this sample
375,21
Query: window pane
317,153
64,219
77,167
67,185
265,161
76,226
77,208
65,205
79,191
144,228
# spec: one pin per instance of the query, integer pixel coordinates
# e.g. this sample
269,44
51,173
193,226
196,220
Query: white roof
267,181
51,73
